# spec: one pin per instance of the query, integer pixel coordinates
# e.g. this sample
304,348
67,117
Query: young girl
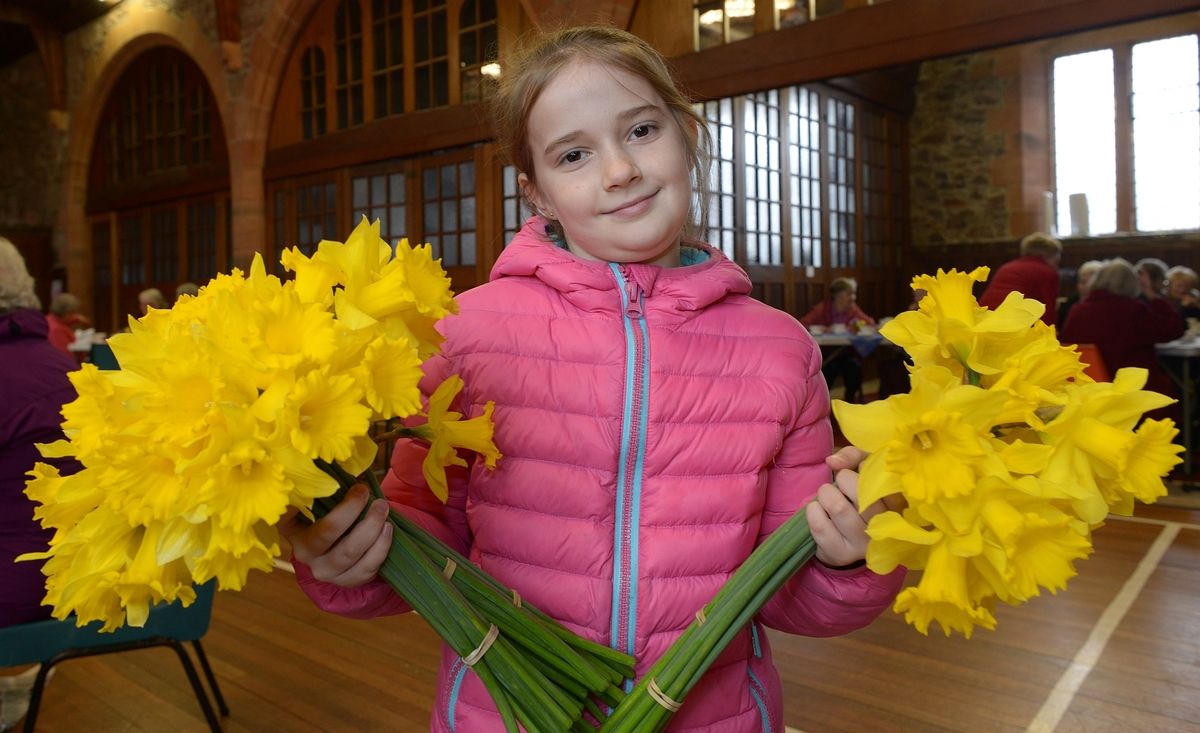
656,422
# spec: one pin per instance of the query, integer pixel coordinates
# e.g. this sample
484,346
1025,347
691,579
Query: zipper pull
633,295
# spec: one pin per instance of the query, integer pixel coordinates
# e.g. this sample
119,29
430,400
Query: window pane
358,192
396,187
1085,138
1166,134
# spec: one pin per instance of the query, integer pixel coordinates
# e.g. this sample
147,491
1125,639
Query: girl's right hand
348,559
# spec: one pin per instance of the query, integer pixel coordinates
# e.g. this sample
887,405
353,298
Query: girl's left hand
838,527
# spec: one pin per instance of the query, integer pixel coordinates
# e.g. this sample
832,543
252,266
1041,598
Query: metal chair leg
35,695
212,680
201,695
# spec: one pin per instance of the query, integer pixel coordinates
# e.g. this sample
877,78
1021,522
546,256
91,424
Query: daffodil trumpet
540,675
1007,454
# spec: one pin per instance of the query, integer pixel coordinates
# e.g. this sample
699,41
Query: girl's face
610,165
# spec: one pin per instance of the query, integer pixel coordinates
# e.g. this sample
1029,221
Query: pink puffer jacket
656,425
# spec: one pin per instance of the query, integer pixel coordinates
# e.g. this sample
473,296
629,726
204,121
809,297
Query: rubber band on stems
473,658
661,698
701,617
451,566
517,599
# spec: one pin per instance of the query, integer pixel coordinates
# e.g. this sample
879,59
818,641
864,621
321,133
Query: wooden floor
286,667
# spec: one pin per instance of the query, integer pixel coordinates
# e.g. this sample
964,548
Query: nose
620,170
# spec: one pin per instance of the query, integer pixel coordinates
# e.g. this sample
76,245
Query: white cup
838,328
816,330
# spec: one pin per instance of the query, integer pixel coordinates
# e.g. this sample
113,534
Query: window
722,216
114,149
280,222
316,210
821,8
790,12
153,153
102,274
842,187
202,241
312,92
478,50
1166,135
804,155
133,256
133,140
201,126
164,245
448,212
174,129
1084,125
388,28
722,21
874,188
381,197
431,54
349,51
1127,138
764,228
515,211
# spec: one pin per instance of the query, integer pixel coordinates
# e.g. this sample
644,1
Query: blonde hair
153,298
1117,277
841,285
16,284
540,57
182,289
1180,272
1042,245
64,305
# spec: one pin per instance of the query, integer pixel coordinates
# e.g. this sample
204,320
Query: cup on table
838,328
816,330
867,331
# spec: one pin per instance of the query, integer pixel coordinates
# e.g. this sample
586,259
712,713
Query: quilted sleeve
817,601
407,492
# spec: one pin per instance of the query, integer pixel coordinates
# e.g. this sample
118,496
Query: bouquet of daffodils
1007,454
257,396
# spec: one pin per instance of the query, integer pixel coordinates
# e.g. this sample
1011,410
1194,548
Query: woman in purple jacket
33,389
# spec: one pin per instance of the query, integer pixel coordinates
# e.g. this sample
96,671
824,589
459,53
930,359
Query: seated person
841,308
1083,277
183,289
1183,292
64,313
1125,323
1152,276
1034,274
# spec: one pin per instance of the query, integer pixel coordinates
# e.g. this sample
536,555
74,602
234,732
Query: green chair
50,642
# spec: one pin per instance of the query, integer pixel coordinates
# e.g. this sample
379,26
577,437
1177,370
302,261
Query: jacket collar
592,285
23,323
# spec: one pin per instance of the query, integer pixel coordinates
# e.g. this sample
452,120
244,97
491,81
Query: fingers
840,533
350,550
288,524
846,458
368,566
315,540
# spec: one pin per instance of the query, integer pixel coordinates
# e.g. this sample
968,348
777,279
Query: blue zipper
759,692
629,478
454,690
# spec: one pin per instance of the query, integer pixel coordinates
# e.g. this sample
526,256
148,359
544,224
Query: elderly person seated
1182,284
840,308
1124,327
1152,277
33,389
1034,274
1083,278
151,298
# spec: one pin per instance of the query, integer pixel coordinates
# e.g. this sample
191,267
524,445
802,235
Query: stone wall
30,149
953,150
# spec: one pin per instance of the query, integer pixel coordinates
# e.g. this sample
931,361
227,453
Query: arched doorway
158,185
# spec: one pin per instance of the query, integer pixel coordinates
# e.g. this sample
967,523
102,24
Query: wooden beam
393,137
229,31
898,32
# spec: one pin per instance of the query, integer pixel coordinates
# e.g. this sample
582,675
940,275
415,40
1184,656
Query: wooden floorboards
286,667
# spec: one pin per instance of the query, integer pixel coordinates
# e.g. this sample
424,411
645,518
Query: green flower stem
749,589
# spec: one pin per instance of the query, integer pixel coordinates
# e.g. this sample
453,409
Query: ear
530,189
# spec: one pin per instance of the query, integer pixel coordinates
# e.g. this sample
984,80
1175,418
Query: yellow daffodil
446,432
943,595
1040,544
324,413
951,329
316,277
929,440
230,556
390,374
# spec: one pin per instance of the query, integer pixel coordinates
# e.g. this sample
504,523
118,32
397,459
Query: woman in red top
1124,327
841,308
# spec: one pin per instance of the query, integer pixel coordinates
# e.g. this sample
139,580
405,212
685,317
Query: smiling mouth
634,207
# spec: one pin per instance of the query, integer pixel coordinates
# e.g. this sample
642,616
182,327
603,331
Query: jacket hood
23,323
590,284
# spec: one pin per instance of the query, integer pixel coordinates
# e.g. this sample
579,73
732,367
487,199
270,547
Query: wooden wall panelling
898,32
667,25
